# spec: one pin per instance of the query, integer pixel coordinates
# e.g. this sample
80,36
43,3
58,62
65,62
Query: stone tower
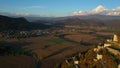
115,38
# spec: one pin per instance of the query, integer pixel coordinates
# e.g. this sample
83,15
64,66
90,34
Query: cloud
118,8
100,10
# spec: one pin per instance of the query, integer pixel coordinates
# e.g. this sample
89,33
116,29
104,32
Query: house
95,49
76,62
109,40
107,44
99,56
99,47
115,38
119,66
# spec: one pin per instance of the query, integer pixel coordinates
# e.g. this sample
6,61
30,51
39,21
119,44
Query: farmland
18,61
51,49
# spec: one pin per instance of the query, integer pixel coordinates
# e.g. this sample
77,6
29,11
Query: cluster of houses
99,56
74,61
35,32
24,34
109,42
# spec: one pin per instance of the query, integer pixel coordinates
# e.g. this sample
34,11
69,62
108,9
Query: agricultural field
82,37
52,49
18,61
91,36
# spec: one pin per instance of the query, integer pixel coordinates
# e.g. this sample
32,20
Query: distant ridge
115,23
102,17
8,23
88,20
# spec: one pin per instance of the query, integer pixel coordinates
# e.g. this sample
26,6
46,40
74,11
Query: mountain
115,23
97,16
32,18
8,23
83,22
89,20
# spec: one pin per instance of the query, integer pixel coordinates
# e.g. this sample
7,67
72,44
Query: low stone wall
115,52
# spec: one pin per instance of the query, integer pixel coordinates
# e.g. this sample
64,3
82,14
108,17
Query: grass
56,41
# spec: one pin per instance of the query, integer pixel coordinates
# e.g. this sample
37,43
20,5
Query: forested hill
8,23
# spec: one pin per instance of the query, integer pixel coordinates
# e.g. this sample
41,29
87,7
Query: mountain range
23,23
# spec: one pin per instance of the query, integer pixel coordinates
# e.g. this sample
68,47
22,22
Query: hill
8,23
90,20
115,23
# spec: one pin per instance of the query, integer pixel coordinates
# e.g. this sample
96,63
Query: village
70,46
97,57
24,34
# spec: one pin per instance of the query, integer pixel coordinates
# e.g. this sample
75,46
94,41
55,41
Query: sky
55,8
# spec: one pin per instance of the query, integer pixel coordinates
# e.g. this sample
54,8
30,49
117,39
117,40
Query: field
52,49
56,41
49,48
83,37
18,61
88,36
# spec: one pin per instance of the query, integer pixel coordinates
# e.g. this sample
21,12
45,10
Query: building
107,44
95,49
115,38
76,62
99,47
109,40
99,57
119,66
